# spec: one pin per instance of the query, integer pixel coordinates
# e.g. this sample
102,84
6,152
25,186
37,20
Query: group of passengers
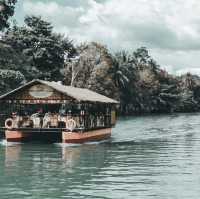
39,119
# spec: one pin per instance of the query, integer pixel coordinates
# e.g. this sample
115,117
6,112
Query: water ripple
154,157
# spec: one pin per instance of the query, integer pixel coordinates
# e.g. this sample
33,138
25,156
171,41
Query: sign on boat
54,112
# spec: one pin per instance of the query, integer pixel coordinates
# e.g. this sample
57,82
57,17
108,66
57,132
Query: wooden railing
85,122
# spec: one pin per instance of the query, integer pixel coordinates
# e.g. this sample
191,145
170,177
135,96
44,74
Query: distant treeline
135,79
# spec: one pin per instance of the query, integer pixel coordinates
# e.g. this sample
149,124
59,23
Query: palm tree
122,72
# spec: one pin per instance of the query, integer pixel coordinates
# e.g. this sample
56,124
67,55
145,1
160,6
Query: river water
154,157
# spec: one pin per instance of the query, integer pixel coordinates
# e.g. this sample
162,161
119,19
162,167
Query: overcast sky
170,29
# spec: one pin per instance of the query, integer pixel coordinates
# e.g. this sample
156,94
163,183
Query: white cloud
170,29
59,15
194,71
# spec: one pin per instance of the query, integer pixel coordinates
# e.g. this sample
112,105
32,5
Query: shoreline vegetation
133,78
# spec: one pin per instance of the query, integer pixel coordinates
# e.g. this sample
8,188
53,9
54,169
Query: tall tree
45,49
6,11
122,69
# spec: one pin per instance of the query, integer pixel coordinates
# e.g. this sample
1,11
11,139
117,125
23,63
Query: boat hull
88,136
17,136
67,137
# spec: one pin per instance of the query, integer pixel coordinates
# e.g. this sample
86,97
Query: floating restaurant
55,112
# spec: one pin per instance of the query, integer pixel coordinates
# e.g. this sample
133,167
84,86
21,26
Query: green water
148,157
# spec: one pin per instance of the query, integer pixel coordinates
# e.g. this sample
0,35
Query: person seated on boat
25,119
14,115
37,119
46,120
54,120
16,119
61,121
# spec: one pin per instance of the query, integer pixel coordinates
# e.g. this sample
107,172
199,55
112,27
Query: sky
170,29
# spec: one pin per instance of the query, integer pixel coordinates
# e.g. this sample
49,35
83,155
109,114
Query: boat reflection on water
70,157
12,154
90,156
67,159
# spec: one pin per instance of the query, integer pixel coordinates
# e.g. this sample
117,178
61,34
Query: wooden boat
43,110
88,136
17,136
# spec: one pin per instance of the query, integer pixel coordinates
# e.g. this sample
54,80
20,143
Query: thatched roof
79,94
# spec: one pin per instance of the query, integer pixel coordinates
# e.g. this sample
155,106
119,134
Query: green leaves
44,49
6,11
122,69
38,27
9,79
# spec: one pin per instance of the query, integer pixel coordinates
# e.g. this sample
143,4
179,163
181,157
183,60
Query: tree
153,64
45,49
9,79
10,59
6,11
122,69
140,57
75,64
72,67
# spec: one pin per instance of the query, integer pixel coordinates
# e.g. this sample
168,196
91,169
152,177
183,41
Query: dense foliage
135,79
6,11
44,50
